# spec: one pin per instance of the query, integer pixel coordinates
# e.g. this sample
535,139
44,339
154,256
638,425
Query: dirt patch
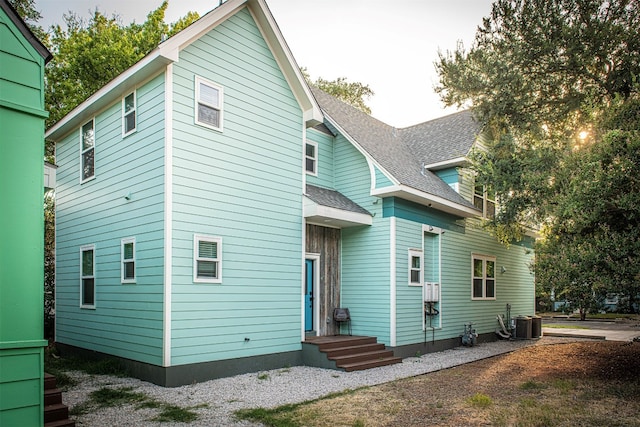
586,383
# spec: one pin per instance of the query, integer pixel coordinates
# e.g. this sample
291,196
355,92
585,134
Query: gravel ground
221,397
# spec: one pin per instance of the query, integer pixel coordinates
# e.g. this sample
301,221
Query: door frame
315,320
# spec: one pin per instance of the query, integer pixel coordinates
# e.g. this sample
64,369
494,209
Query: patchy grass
108,397
58,366
587,383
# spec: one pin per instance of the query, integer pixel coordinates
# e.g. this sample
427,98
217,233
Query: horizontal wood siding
325,159
515,286
127,320
365,249
381,179
21,69
243,184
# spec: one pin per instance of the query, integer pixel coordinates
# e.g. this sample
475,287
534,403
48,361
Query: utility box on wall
22,115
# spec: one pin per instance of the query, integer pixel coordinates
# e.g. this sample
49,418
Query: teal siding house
213,210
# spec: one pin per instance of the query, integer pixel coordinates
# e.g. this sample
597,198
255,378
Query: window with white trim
87,150
484,198
208,108
129,114
207,259
87,277
128,260
415,267
483,282
311,158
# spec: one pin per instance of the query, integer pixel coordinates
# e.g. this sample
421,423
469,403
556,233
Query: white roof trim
168,52
333,217
426,199
458,161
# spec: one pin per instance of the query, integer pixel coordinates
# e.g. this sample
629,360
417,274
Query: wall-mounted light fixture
502,269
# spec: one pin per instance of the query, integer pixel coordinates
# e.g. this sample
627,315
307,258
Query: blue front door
308,295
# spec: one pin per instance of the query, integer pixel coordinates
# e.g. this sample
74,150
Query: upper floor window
207,260
87,277
484,198
128,259
415,267
484,277
311,158
87,150
129,114
208,104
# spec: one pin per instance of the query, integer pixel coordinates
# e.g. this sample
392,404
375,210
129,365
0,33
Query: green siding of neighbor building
21,228
325,174
127,319
243,184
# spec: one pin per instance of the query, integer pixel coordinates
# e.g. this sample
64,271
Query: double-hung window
415,267
87,277
311,158
128,260
208,104
87,149
484,277
484,198
129,114
207,259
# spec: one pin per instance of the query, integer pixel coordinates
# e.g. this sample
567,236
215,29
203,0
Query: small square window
129,114
207,260
208,105
128,259
87,277
311,158
415,267
87,150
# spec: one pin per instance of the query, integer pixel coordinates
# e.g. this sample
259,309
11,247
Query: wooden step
360,366
61,423
344,342
361,357
352,353
52,396
342,351
55,412
49,381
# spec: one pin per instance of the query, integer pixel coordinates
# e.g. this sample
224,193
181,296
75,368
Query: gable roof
25,31
403,153
168,52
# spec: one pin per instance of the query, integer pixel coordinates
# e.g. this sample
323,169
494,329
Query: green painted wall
243,184
21,229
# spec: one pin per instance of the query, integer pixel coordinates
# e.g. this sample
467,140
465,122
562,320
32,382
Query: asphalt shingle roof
333,199
402,152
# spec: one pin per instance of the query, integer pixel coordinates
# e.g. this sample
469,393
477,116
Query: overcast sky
390,45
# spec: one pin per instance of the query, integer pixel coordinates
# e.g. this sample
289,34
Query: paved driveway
625,330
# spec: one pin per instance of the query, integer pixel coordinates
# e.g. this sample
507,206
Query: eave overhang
425,199
326,216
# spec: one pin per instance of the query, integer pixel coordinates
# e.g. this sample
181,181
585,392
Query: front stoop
348,353
55,413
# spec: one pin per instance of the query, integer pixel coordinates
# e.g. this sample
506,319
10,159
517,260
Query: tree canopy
87,55
555,83
355,94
